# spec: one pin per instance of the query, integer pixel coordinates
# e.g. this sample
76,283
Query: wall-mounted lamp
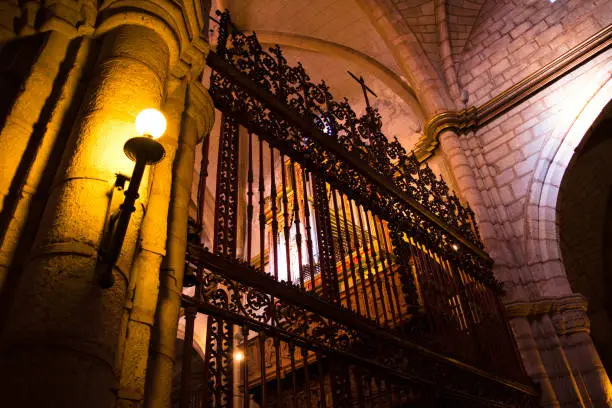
144,150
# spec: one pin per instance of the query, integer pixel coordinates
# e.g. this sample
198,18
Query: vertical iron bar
433,290
341,248
428,282
308,230
190,315
325,240
379,390
321,372
219,363
226,200
368,389
359,386
208,352
287,227
279,389
296,218
262,369
262,214
294,391
250,200
227,347
378,275
306,378
387,251
360,268
350,252
385,270
370,275
274,209
389,392
245,367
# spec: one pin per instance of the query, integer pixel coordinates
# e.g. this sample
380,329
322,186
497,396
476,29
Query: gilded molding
474,118
460,122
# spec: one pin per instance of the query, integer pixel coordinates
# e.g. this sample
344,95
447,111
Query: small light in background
551,1
455,247
238,356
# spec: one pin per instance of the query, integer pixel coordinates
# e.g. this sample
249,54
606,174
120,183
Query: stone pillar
462,172
59,343
530,354
573,328
558,353
144,279
30,131
196,122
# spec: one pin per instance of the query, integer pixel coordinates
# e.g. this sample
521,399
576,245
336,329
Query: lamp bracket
121,180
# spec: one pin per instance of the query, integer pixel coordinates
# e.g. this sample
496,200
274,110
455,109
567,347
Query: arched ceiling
329,39
340,21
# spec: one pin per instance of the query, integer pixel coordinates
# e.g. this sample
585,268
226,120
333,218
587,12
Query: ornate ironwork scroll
347,337
392,224
227,188
218,362
327,257
350,152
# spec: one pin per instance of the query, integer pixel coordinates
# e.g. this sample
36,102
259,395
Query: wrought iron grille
343,271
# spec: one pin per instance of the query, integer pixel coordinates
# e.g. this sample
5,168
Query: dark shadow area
585,228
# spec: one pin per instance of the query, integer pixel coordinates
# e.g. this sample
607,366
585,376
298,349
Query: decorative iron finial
364,88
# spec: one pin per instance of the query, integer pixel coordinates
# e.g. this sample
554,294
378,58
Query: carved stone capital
474,118
72,18
200,108
460,122
182,25
568,314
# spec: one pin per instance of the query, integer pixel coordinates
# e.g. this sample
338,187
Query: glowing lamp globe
150,125
151,122
238,356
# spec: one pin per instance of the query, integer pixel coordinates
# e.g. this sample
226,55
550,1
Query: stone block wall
512,158
513,38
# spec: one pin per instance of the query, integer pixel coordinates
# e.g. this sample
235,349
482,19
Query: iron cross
364,87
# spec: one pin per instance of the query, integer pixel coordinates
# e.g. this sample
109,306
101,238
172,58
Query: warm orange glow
238,356
151,122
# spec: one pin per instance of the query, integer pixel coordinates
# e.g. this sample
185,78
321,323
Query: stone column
59,343
196,122
462,172
530,354
30,131
573,328
558,353
144,277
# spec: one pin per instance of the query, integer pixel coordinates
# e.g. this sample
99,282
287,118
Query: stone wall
512,39
511,159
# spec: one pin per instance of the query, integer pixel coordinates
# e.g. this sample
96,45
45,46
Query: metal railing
342,271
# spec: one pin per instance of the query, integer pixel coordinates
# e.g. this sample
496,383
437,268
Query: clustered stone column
559,355
64,341
60,321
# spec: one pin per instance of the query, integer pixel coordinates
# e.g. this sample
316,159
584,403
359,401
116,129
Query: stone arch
542,243
429,87
387,76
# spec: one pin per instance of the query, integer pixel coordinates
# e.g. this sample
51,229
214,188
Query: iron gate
341,271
